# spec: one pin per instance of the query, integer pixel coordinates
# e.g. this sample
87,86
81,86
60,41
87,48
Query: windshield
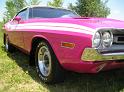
39,12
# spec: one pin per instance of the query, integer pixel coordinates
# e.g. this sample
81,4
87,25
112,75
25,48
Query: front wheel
47,64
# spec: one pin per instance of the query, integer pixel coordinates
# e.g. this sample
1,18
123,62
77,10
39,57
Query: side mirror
17,18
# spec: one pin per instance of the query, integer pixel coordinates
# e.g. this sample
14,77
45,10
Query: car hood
92,23
97,23
88,22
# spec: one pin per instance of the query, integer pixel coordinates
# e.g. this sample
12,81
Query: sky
116,7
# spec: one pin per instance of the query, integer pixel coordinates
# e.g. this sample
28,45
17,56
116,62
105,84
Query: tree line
85,8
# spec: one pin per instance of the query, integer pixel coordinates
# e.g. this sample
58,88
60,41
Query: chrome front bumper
91,54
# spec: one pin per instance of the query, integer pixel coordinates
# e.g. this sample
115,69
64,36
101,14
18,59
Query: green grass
17,76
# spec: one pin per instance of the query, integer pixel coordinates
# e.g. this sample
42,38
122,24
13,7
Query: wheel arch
35,40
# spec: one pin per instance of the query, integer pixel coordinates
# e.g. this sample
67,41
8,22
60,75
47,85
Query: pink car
58,39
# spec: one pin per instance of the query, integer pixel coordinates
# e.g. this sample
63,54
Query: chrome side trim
114,54
91,54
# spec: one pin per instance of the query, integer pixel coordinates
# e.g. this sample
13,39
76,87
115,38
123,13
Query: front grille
118,43
118,36
118,39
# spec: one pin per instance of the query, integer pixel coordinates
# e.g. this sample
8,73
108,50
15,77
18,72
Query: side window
23,14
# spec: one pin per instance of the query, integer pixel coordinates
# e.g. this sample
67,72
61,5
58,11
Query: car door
17,33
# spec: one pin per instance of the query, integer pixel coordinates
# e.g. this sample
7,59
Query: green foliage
33,2
55,3
19,4
10,10
91,8
1,24
12,7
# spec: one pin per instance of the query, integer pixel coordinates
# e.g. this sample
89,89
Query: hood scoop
81,18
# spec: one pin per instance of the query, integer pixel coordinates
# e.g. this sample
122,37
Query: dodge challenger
58,39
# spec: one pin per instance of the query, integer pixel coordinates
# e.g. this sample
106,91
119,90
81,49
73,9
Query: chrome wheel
44,61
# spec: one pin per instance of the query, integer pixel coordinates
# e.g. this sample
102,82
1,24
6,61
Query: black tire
55,72
8,46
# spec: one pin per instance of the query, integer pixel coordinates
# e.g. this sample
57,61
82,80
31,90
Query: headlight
97,40
107,39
